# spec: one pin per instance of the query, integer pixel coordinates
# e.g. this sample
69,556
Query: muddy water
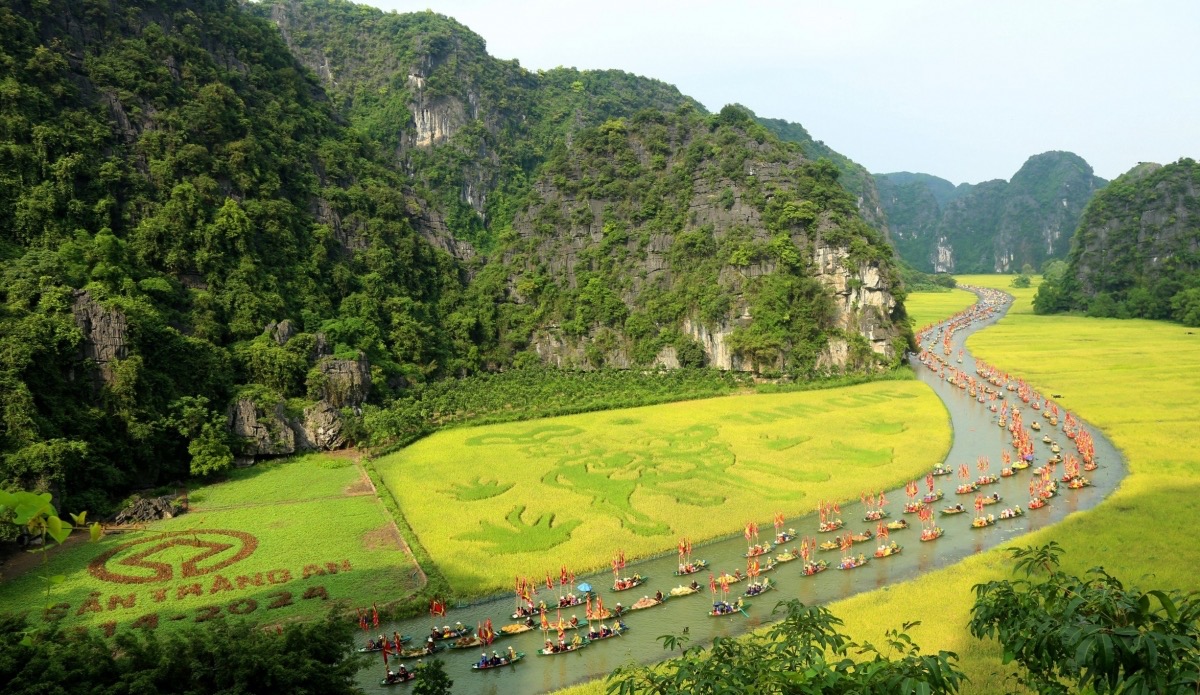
975,434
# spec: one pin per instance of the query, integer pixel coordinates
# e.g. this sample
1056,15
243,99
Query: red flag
385,655
836,509
746,533
374,616
712,583
587,612
929,481
549,582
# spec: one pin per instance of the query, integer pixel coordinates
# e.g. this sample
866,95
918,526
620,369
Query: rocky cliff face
104,335
1137,250
995,226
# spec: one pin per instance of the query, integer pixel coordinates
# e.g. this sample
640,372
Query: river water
975,434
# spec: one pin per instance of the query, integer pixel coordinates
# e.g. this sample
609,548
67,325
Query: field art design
275,542
495,501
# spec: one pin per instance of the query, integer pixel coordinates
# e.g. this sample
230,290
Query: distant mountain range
994,226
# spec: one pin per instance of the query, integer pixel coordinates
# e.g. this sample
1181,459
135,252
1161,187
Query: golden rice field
492,502
935,306
1138,381
275,542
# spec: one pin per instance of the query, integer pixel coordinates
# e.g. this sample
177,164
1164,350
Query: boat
828,526
931,534
373,646
1078,483
811,568
983,521
756,588
682,590
504,661
1006,472
419,652
888,550
830,545
467,642
785,536
606,632
959,509
646,602
758,549
1046,439
628,583
940,470
397,679
876,515
931,497
1011,513
994,499
849,563
966,488
771,564
514,629
913,507
862,537
897,525
569,647
785,556
1035,426
1090,466
1020,465
723,608
690,568
987,480
1054,449
1037,503
447,633
734,578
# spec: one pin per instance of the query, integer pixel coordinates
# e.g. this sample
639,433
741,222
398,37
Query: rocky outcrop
261,431
149,509
862,297
105,334
347,383
321,428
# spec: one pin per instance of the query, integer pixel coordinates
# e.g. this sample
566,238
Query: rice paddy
492,502
1139,382
275,542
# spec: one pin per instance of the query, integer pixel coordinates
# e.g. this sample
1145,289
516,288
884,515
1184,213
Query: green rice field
492,502
1139,382
277,542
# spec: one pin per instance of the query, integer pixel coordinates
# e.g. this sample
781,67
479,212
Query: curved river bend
975,434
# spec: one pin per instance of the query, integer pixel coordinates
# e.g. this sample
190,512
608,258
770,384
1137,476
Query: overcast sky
965,90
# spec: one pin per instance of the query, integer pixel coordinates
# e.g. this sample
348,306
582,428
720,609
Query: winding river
975,434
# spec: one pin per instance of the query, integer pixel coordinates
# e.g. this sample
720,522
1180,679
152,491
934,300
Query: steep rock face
321,428
690,233
346,382
994,226
1137,250
261,431
104,334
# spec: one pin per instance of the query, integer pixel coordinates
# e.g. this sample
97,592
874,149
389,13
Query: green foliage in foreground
804,653
222,657
1070,633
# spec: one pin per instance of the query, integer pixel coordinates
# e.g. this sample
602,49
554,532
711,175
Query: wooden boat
682,590
862,537
691,568
987,480
889,551
966,488
1006,473
757,588
785,536
446,633
953,510
829,545
572,600
1079,483
1046,439
1054,449
1090,466
1020,465
876,515
513,629
731,578
1035,426
785,556
931,497
1010,513
467,642
570,647
616,631
397,680
759,549
812,568
913,507
378,647
897,525
628,583
771,564
419,652
505,661
1037,503
982,522
646,602
851,563
931,534
828,526
723,608
940,470
995,499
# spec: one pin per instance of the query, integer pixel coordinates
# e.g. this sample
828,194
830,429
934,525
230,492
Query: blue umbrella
584,587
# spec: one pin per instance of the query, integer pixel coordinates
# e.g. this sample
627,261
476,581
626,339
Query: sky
963,89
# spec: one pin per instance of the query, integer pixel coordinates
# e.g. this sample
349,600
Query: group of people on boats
725,607
398,675
495,659
850,562
626,582
1011,513
604,631
562,645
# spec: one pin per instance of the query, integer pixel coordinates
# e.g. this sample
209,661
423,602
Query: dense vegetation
190,217
994,226
1136,253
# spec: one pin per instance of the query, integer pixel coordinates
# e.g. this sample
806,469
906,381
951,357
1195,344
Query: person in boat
576,641
996,496
574,621
529,621
958,507
549,648
429,646
496,660
434,633
695,585
483,661
658,596
862,559
737,574
512,654
619,609
605,631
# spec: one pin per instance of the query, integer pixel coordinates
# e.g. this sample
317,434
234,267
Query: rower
483,661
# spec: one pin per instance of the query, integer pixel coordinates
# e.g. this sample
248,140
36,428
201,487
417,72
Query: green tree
432,679
805,653
1090,634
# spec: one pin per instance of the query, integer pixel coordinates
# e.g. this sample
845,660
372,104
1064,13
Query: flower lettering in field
142,561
